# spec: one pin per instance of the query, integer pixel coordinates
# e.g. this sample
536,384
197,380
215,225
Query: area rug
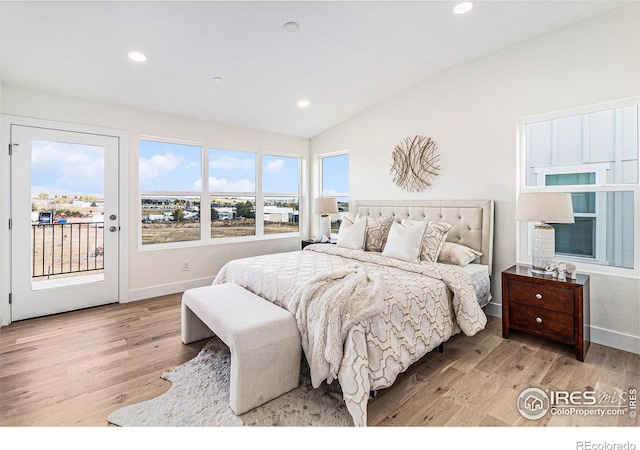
199,396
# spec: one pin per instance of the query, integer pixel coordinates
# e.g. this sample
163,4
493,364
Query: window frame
254,194
165,193
600,172
205,197
263,194
319,192
523,248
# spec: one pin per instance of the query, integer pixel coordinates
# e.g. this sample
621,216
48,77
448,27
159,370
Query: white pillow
351,235
404,242
457,254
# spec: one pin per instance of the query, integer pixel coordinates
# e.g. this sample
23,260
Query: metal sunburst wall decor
415,163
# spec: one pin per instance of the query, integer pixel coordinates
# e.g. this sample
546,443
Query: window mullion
586,144
205,201
259,197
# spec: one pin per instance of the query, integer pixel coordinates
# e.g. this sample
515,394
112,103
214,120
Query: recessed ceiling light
137,57
291,27
463,8
303,103
217,79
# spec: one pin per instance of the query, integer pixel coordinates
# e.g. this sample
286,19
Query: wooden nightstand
544,306
306,242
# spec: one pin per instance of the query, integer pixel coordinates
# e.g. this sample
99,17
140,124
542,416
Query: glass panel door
64,190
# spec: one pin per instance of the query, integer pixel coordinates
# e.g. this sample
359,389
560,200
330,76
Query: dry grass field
163,232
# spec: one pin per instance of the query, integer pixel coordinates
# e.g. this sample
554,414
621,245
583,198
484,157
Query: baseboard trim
165,289
602,336
494,309
615,339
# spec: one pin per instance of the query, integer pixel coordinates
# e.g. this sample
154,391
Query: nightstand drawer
541,296
544,322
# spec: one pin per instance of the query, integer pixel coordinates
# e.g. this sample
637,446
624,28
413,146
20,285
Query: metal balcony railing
65,248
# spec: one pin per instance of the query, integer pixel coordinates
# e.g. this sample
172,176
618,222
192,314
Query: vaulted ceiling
344,58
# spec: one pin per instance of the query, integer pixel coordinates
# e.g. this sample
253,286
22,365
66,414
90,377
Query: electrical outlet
185,266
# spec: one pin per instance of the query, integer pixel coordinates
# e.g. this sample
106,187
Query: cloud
158,165
67,168
274,167
223,185
229,162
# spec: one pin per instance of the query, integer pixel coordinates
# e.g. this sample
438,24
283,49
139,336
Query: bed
423,303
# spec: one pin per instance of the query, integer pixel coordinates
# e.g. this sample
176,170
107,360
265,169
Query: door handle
113,229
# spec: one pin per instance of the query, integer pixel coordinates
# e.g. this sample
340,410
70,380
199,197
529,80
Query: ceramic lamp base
325,226
543,247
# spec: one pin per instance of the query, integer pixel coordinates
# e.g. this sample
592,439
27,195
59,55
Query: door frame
5,202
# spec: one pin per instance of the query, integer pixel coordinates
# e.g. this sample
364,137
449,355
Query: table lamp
543,207
325,206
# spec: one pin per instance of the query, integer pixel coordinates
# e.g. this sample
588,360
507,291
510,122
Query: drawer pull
539,296
539,319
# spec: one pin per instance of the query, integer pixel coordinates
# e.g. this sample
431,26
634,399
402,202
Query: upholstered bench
263,339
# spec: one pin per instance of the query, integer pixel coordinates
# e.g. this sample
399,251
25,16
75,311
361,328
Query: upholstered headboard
471,220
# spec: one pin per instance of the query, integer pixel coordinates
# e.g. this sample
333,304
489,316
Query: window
594,156
334,179
179,204
170,195
232,185
281,190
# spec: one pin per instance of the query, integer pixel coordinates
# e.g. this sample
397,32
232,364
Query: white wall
472,110
151,272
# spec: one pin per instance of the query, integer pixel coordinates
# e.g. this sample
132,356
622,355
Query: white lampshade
325,205
544,207
551,207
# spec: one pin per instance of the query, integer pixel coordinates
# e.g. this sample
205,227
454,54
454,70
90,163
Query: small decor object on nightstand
315,240
415,163
561,269
571,270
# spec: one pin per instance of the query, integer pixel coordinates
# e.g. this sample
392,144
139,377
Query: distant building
225,212
279,214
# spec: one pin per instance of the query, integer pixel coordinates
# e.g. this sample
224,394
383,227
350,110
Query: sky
176,167
74,169
335,175
60,168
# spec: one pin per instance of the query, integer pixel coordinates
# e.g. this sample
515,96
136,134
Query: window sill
218,241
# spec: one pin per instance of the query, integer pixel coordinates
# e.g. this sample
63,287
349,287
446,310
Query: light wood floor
74,369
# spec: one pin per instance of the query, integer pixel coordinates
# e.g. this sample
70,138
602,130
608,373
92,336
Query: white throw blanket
326,308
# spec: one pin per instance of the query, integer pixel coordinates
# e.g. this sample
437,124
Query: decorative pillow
457,254
433,239
377,231
351,234
404,242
